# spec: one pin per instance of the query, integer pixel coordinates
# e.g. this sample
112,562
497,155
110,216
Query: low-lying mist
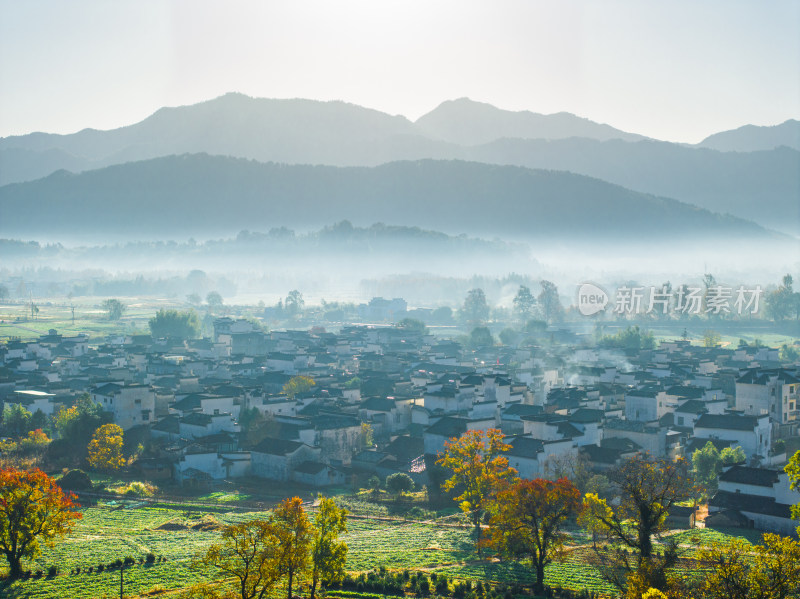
347,263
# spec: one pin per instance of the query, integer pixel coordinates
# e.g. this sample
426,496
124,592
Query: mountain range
198,194
752,173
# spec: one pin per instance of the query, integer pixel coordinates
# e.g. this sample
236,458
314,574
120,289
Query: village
324,410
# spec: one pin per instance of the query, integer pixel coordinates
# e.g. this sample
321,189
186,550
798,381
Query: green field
109,532
90,318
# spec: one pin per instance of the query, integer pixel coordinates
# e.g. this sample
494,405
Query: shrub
151,558
101,567
129,561
77,480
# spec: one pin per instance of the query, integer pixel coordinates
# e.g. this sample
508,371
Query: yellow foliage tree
105,448
298,384
479,470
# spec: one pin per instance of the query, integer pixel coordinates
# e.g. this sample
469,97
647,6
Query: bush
77,480
399,482
101,567
151,558
129,561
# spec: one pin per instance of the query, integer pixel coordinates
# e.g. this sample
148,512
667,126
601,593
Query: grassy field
109,532
90,318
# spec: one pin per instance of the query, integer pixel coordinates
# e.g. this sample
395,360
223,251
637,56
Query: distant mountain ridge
751,138
201,194
757,185
469,123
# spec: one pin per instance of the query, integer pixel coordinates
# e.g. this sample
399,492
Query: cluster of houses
387,399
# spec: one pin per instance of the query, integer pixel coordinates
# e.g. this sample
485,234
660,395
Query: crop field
90,318
109,532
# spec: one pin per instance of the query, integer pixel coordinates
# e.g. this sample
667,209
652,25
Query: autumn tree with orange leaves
33,509
527,520
479,470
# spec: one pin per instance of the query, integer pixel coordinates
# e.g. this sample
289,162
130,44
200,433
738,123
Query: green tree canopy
114,308
172,323
524,303
475,309
412,325
549,302
481,337
398,483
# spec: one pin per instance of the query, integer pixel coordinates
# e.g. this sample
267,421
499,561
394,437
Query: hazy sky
677,70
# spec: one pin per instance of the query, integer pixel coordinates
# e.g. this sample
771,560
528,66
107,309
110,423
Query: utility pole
121,583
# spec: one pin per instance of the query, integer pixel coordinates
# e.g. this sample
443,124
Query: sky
678,70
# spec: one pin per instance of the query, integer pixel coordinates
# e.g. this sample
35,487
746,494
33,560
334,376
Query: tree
328,553
105,448
399,483
194,299
524,303
575,467
114,308
789,353
632,338
214,300
550,304
711,338
509,336
527,519
33,509
294,303
481,337
374,485
647,491
770,570
793,470
367,435
413,326
16,420
3,293
475,309
732,455
298,384
479,470
75,427
707,464
783,303
35,443
293,536
172,323
247,553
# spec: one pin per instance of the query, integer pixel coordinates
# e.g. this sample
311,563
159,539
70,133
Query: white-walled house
752,433
131,404
759,497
